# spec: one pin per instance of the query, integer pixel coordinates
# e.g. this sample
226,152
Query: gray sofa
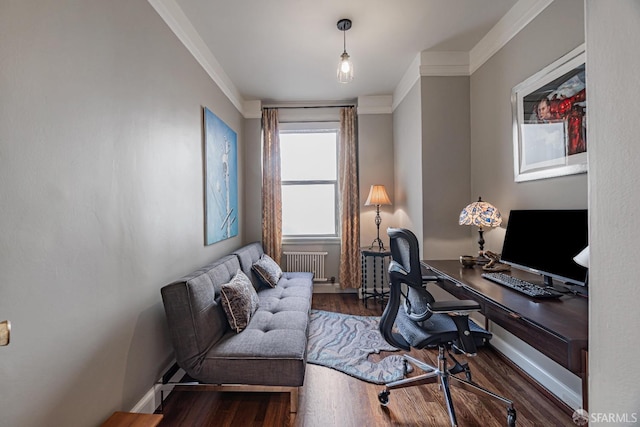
270,354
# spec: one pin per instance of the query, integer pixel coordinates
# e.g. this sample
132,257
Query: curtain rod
293,107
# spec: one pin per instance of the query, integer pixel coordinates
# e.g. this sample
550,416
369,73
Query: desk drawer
544,341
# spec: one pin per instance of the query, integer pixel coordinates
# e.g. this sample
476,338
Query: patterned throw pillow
239,301
267,270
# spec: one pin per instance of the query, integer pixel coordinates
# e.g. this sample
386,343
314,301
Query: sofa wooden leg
293,396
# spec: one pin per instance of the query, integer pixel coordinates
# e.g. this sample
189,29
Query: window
309,173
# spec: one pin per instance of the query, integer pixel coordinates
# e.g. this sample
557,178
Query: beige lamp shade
377,196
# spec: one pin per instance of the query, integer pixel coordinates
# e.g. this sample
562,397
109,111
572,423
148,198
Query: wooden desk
558,328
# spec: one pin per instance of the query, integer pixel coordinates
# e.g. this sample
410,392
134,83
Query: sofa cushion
272,348
247,255
267,270
239,300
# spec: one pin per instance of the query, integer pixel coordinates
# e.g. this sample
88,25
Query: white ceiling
288,50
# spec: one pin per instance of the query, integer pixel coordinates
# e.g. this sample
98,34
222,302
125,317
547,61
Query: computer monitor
545,242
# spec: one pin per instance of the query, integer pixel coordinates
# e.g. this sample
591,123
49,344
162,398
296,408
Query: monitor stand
564,287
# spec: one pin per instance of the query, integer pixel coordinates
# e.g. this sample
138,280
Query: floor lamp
377,197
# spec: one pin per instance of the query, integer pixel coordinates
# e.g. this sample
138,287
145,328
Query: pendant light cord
344,41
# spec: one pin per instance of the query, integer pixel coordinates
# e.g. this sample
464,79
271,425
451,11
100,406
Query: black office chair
424,322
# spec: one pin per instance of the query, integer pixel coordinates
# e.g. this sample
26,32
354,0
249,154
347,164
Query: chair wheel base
511,417
383,397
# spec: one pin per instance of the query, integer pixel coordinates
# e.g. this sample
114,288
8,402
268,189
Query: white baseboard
571,394
149,402
152,399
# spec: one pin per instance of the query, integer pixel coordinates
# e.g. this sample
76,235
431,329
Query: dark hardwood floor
330,398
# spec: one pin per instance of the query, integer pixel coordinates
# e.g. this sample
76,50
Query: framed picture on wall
549,120
221,179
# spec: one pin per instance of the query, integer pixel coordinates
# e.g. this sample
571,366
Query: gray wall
466,149
445,165
101,202
613,34
252,192
407,162
375,150
555,32
431,164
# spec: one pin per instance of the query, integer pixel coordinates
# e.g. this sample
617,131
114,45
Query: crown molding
380,104
429,63
444,63
252,109
507,28
178,22
408,80
424,64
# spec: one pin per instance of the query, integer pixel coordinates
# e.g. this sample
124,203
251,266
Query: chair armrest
430,278
428,275
454,306
459,311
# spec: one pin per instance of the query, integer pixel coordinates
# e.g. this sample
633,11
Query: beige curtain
350,265
271,191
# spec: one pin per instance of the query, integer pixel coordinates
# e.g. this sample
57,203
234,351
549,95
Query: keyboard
522,286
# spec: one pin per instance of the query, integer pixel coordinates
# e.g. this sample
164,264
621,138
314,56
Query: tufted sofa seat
271,351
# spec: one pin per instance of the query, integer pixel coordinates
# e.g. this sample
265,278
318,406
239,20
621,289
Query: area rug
344,342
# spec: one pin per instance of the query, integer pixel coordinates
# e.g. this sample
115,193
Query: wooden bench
130,419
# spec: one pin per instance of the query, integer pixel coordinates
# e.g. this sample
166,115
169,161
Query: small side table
380,259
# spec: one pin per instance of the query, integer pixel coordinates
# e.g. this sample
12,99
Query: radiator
307,261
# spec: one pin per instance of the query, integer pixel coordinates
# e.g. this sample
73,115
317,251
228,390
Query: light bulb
345,66
345,69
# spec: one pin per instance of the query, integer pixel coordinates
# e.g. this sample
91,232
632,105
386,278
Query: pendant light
345,67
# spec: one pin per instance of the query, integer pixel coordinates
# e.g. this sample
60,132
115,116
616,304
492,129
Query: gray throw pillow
267,270
239,301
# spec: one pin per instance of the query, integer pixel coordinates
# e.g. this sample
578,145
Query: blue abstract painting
221,179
